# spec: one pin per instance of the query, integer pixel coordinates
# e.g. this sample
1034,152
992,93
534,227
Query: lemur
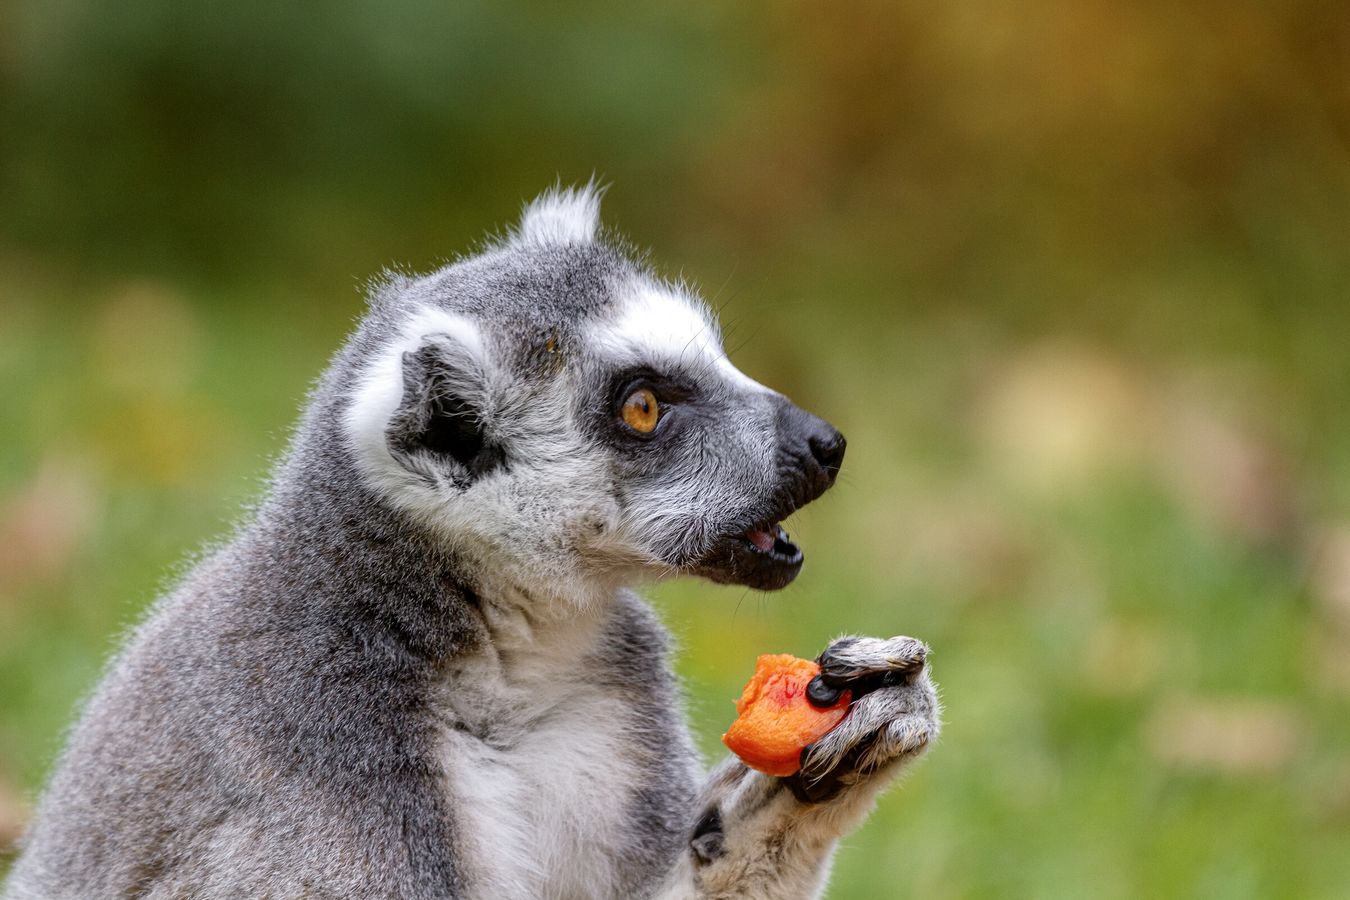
420,669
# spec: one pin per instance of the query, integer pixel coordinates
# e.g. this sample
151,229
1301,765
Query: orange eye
641,411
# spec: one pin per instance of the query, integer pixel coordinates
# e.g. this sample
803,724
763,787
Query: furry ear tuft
386,290
560,217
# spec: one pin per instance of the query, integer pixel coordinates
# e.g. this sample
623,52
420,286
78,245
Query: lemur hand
772,838
894,715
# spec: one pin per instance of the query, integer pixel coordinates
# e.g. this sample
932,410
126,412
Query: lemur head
561,415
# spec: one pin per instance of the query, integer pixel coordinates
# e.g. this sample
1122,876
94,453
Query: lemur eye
640,411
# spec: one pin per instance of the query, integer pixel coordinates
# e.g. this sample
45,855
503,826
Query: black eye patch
676,395
669,389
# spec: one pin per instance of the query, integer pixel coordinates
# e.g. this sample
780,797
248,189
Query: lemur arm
767,838
754,839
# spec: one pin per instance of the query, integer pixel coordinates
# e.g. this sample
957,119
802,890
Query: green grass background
1072,279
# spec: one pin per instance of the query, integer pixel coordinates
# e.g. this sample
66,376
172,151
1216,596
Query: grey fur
418,671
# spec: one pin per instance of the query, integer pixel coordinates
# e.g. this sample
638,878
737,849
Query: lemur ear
560,217
440,426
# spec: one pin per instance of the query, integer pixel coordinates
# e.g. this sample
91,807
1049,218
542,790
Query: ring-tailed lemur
419,672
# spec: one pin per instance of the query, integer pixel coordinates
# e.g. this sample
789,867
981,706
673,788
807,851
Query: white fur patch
561,216
380,392
657,324
540,524
542,809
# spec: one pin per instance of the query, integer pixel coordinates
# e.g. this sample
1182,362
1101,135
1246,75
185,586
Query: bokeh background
1071,276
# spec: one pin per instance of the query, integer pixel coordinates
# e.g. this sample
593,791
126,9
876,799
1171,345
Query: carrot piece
775,720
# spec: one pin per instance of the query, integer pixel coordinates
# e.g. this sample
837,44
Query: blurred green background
1071,277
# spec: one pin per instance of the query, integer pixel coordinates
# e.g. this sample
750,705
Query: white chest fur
535,764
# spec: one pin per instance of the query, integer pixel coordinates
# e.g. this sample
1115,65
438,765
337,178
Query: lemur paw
894,715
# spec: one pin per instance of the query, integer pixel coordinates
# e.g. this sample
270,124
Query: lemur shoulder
420,671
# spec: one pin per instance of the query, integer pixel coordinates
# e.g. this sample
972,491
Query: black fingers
845,665
822,695
817,787
813,791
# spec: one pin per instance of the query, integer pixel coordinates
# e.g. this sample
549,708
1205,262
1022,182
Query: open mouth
761,557
755,551
766,558
773,542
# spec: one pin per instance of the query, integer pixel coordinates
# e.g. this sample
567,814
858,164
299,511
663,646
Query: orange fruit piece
776,720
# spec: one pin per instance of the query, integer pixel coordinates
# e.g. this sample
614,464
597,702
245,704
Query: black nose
827,446
812,443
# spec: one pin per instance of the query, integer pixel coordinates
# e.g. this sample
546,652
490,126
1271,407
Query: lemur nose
806,433
827,446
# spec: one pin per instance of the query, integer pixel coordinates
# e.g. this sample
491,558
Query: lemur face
554,409
706,461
